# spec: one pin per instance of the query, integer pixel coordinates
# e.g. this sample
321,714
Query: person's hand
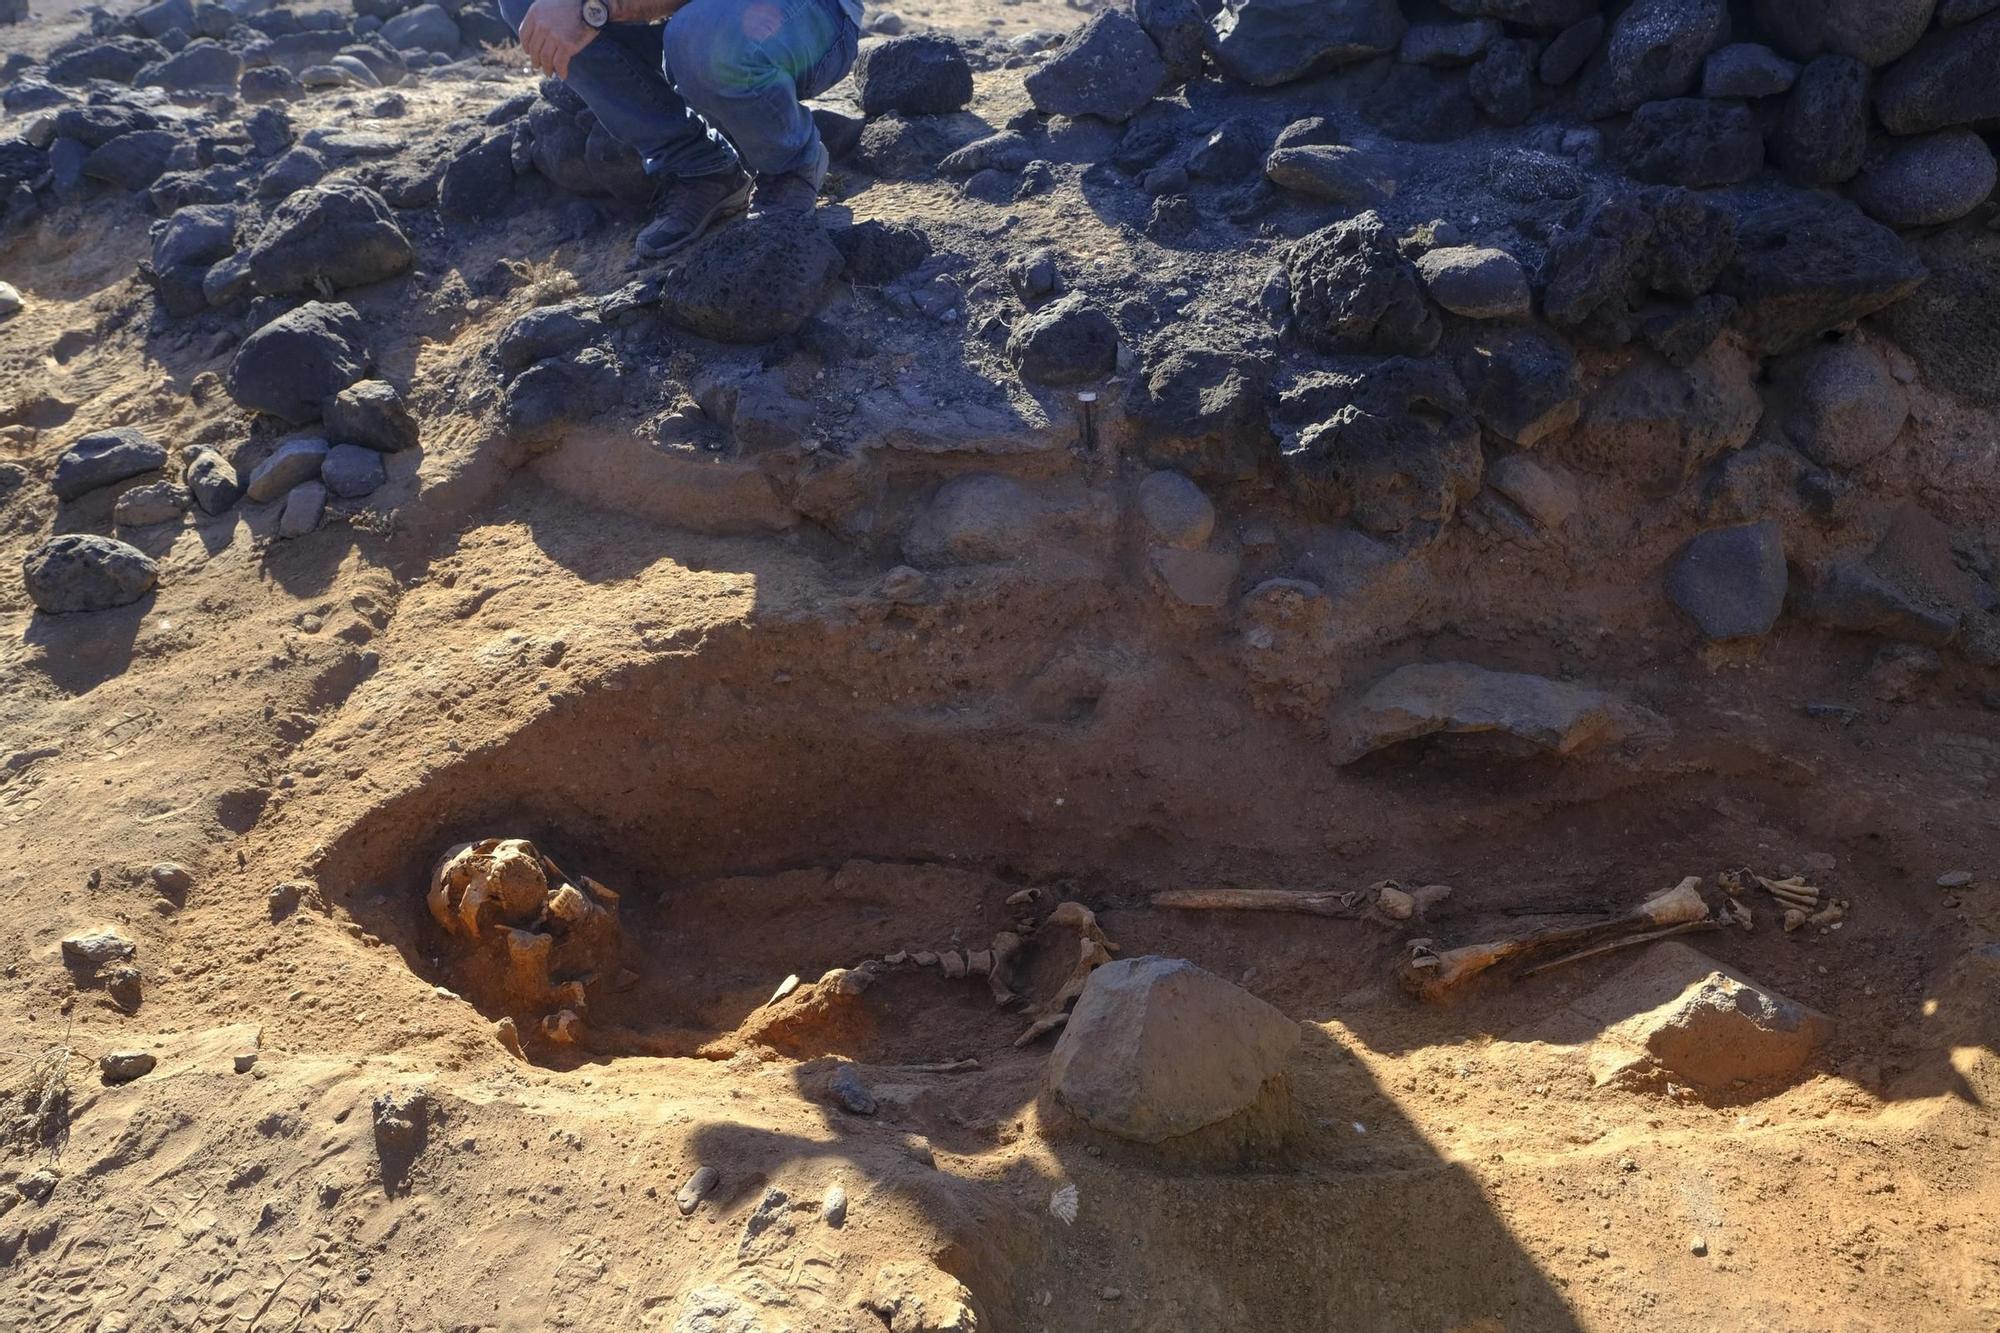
553,32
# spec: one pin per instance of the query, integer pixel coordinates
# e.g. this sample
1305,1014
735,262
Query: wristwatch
596,13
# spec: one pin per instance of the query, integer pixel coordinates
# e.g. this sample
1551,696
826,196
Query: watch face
596,13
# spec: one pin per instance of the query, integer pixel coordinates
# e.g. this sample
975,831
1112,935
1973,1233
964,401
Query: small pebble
698,1187
1698,1246
1955,879
833,1208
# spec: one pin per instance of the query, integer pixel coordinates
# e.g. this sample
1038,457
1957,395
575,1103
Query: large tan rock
1157,1048
1680,1013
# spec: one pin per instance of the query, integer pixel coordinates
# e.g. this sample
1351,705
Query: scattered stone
1946,81
1926,181
143,506
479,183
10,300
132,161
1848,595
1731,581
1269,42
913,76
300,359
1873,32
1457,698
424,28
1844,408
698,1187
1679,1013
326,238
124,1066
1200,579
1402,454
292,463
212,480
1804,264
1955,879
199,67
1175,510
1157,1048
1523,383
1109,68
1475,282
38,1184
1334,174
370,413
96,948
104,459
833,1208
1569,50
1353,292
269,83
401,1119
199,234
848,1092
1180,32
1655,50
114,60
1545,495
82,572
1458,43
546,332
1692,141
754,281
919,1298
1068,341
1747,70
351,471
1503,83
1823,135
1201,409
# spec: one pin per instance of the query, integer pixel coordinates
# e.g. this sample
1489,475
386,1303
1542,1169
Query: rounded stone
83,572
1929,180
1176,511
1731,581
1476,282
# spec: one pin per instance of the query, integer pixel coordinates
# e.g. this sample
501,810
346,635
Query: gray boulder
1848,595
1840,405
144,506
1823,134
370,413
213,482
425,28
1948,80
83,572
1680,1015
1475,282
305,505
328,237
1401,454
1805,264
1157,1048
1502,83
114,59
1655,50
1109,68
1569,50
104,458
1175,511
132,161
352,471
1067,341
1523,383
913,76
1458,43
1269,42
1200,407
1747,69
754,281
290,464
1928,180
1874,32
1180,31
1731,581
1457,698
548,331
1353,292
1334,174
203,66
300,359
198,234
1692,141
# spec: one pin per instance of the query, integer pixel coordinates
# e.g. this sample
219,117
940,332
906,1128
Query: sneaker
693,205
795,191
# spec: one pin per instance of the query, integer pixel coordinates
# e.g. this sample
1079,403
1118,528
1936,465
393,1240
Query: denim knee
514,11
708,53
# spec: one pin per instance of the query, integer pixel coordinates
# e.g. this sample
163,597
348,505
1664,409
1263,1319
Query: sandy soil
784,766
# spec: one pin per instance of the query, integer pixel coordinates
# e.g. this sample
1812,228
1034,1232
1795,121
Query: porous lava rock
327,238
757,280
294,363
1352,291
85,572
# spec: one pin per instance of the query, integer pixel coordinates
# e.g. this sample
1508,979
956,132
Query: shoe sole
820,170
727,208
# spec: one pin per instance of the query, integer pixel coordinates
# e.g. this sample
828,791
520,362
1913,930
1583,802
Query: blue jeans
720,83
